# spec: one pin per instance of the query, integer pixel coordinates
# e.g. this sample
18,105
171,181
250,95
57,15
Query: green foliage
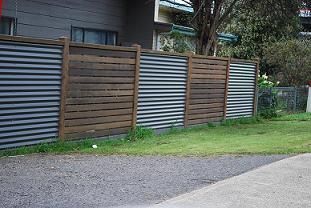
256,31
291,60
268,113
176,42
258,25
181,18
294,117
288,134
239,121
139,133
56,147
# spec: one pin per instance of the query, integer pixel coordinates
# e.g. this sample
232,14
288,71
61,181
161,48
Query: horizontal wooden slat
103,47
102,80
101,66
208,76
101,93
77,86
209,61
100,73
97,133
101,52
96,127
97,120
207,86
208,96
208,71
207,91
204,120
100,113
70,108
206,67
203,106
206,100
206,110
205,115
101,100
97,59
208,81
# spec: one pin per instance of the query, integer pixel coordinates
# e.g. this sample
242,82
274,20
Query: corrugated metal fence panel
241,90
162,91
30,82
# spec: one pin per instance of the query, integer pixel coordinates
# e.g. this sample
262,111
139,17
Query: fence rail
58,89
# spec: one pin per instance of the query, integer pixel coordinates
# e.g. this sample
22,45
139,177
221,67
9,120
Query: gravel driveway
110,181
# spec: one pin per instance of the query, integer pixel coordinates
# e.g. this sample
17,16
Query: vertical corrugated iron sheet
162,91
30,82
241,90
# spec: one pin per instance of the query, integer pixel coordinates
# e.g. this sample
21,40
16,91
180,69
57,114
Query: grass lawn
284,135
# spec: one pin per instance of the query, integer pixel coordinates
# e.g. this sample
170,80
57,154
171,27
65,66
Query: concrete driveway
283,184
97,181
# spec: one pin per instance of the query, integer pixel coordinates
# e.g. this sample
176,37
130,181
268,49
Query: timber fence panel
162,90
30,88
100,95
207,90
241,99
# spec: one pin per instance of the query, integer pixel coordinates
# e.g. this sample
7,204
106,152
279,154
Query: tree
291,61
210,15
257,27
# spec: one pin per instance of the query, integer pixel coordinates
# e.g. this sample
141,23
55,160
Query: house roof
175,5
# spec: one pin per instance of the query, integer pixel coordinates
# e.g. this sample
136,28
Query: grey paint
30,85
133,20
162,91
140,23
241,90
53,19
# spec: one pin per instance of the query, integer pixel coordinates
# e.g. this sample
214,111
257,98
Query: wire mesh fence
283,99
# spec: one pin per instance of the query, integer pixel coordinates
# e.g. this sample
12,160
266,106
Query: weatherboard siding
53,19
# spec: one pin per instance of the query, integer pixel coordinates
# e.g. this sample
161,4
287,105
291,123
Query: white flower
265,76
278,82
94,146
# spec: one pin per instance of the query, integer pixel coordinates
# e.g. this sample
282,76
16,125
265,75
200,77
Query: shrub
291,60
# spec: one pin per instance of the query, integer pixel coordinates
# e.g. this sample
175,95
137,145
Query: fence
284,99
57,89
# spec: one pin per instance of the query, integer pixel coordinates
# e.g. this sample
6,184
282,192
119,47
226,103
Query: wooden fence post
65,69
227,88
188,90
256,89
136,85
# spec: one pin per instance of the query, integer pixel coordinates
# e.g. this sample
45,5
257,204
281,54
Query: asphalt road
112,181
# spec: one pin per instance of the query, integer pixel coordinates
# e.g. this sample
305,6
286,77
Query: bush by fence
51,89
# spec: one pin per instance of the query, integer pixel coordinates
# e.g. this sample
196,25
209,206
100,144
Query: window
6,26
83,35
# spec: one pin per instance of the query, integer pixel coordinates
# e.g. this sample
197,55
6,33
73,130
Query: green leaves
291,60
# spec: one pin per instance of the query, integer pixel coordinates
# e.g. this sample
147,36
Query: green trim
188,31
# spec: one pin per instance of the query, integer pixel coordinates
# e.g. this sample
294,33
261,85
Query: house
305,18
111,22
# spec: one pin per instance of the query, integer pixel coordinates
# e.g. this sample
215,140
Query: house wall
140,23
53,19
165,16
